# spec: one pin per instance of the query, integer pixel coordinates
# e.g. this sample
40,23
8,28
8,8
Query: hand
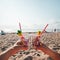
13,50
21,45
36,42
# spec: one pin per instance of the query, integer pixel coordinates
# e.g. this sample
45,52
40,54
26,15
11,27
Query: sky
32,14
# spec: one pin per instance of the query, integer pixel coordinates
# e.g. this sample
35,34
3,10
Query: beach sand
51,40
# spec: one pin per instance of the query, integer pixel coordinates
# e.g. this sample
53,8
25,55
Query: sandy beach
51,40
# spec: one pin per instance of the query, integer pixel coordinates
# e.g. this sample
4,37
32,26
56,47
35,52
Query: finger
17,42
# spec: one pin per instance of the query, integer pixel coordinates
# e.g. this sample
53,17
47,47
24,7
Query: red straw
19,25
21,30
44,29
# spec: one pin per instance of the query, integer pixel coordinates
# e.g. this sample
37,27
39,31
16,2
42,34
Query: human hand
37,43
22,45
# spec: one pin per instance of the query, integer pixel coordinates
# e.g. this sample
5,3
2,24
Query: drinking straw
20,26
44,29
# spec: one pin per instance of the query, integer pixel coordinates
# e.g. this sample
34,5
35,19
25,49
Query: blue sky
31,13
